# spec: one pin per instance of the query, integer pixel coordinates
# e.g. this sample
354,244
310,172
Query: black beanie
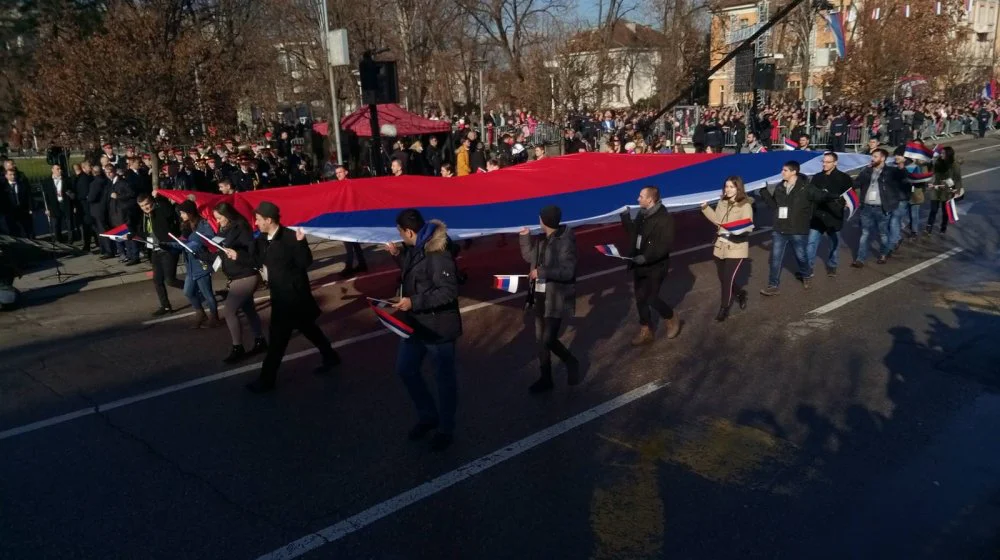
188,207
551,216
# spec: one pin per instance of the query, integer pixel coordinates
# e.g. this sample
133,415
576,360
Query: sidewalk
82,272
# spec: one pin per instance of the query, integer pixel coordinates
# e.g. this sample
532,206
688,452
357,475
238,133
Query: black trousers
547,336
647,294
354,249
56,221
164,274
280,333
728,270
935,206
89,236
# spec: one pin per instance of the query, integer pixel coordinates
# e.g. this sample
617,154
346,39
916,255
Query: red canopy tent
406,123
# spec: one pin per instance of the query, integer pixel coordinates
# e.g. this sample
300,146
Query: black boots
236,354
723,314
741,298
259,346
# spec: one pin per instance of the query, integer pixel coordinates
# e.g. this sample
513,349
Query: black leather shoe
259,346
329,362
421,430
162,311
573,374
440,441
741,298
236,354
723,314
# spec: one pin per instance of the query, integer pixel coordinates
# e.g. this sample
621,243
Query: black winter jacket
287,260
891,186
800,204
237,236
430,281
829,215
652,237
163,218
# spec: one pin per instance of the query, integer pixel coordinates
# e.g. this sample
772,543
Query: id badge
540,286
638,242
217,264
783,213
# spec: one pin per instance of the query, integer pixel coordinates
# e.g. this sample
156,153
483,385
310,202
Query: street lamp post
552,85
482,119
324,32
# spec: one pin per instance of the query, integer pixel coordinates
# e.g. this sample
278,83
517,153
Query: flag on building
990,89
836,22
876,13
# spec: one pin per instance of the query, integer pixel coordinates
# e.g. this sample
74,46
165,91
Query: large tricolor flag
917,176
851,202
918,152
952,209
589,188
507,282
119,233
990,90
736,227
836,22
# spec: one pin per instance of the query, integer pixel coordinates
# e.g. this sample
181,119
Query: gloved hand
639,260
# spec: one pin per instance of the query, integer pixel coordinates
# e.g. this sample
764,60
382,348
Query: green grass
36,169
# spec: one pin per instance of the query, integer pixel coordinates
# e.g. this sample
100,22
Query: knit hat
188,207
551,216
268,210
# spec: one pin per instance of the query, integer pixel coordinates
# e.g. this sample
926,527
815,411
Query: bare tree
513,26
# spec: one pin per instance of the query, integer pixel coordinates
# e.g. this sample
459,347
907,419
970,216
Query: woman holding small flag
198,280
734,217
243,281
946,186
553,292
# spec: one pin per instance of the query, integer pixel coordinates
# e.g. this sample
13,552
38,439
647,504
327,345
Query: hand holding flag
610,250
181,243
507,282
851,203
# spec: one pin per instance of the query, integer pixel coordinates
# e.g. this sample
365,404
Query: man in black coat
58,196
97,203
81,203
18,191
793,200
828,216
651,237
838,133
283,256
881,189
430,300
152,226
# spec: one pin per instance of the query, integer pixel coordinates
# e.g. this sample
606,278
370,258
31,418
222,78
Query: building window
982,37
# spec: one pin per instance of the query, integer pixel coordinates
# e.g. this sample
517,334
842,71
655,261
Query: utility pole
325,40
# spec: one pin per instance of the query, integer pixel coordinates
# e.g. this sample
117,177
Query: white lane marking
981,149
837,303
251,367
382,510
980,172
175,316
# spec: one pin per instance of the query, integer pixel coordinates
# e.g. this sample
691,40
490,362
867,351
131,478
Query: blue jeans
200,292
874,218
914,216
896,223
778,243
408,361
128,250
832,259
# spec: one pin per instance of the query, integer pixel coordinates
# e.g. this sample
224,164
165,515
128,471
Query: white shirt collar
270,236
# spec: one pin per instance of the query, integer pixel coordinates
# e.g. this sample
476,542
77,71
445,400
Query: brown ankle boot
645,336
199,319
673,326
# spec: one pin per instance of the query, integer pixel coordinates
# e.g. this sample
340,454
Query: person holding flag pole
429,298
651,237
734,217
946,186
828,216
198,280
242,281
552,291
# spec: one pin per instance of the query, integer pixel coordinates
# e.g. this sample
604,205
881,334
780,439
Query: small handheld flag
851,202
117,233
737,227
789,145
937,151
918,152
507,282
610,251
390,321
213,241
952,209
181,243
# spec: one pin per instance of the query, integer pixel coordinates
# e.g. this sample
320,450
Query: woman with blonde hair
734,217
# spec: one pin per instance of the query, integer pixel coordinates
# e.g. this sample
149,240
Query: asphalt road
865,429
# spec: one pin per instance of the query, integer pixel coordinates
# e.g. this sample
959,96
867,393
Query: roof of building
625,34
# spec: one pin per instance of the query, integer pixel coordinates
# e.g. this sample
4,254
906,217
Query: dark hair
741,191
230,213
143,197
447,166
831,154
493,161
226,181
804,135
410,219
654,192
885,154
793,165
397,160
946,160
